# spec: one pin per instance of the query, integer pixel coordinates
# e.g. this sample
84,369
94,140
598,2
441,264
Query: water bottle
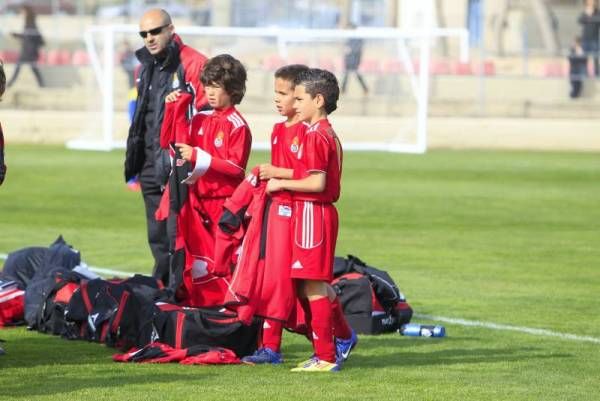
422,330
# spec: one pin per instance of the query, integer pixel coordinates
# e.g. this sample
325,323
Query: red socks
341,329
271,335
307,317
322,329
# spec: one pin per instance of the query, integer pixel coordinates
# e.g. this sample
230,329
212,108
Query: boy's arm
268,171
232,166
315,182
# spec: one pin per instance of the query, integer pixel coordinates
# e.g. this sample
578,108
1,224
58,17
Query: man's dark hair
227,72
290,72
2,79
323,82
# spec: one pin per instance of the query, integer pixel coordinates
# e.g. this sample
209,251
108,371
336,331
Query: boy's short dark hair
290,72
227,72
2,79
317,81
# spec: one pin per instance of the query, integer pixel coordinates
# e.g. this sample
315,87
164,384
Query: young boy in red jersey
218,148
278,286
286,140
315,186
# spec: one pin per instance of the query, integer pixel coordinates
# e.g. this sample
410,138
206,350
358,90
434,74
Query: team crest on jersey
294,147
219,139
175,83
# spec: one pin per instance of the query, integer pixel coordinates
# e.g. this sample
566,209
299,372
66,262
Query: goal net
389,115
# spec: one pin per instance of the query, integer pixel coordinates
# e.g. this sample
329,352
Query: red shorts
278,294
314,231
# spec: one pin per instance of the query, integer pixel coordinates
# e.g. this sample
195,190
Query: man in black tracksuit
167,65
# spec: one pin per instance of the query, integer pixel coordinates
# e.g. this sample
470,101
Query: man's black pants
161,234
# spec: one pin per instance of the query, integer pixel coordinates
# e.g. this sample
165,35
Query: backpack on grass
370,298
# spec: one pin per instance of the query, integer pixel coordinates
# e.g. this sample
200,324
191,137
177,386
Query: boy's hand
266,171
273,185
186,150
171,97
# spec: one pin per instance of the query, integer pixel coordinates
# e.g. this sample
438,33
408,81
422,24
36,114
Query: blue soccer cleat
262,356
344,347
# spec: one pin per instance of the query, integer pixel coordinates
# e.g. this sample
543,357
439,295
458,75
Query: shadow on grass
64,382
32,349
450,357
392,351
45,365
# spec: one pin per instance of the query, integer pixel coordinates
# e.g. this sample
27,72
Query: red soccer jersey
321,150
285,144
225,135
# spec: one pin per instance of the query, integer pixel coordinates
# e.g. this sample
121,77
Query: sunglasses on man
153,32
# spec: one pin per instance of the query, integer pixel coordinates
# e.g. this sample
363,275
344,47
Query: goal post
398,66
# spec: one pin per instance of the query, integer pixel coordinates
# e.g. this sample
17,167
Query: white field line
457,321
499,326
99,270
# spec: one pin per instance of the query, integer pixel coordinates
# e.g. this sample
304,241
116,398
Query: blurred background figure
352,57
590,27
31,42
129,62
2,165
577,68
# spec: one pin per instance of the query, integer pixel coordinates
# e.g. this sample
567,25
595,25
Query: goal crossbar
103,68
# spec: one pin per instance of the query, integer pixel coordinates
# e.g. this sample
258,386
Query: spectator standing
130,63
577,68
31,42
352,57
2,165
590,28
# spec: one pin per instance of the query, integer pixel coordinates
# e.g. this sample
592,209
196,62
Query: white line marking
451,320
99,270
498,326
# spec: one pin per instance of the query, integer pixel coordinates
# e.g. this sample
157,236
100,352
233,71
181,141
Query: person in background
590,28
130,63
31,42
577,68
352,57
2,165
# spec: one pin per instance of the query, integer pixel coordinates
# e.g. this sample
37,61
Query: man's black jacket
180,69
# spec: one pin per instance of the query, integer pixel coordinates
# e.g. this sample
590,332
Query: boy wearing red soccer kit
218,148
315,187
285,144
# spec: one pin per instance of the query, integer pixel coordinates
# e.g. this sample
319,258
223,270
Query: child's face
284,97
307,107
217,97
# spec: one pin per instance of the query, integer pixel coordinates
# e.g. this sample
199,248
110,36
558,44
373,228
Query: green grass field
505,237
